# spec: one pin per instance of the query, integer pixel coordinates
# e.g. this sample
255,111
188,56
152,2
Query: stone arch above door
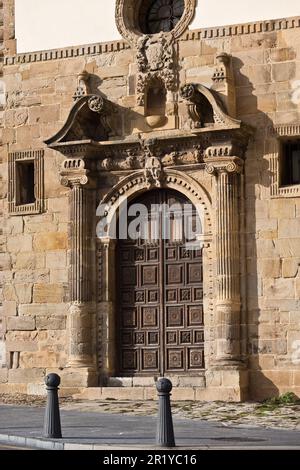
137,183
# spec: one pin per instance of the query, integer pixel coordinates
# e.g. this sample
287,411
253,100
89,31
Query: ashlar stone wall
35,249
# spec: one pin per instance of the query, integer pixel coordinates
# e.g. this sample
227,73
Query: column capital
74,173
232,165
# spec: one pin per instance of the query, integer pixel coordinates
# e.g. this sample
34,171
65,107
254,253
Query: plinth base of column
227,382
77,376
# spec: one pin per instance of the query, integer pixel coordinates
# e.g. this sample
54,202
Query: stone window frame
281,132
37,207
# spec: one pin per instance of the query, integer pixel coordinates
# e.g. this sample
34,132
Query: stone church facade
210,117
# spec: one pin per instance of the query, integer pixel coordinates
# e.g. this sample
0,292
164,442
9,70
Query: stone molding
37,207
116,46
280,131
138,182
126,19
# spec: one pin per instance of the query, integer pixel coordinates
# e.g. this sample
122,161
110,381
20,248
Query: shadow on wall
257,344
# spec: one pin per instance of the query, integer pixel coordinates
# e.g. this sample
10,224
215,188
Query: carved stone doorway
160,290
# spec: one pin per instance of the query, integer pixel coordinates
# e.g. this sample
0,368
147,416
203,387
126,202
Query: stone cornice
67,52
115,46
241,29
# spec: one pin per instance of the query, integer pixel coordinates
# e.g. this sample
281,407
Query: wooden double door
160,292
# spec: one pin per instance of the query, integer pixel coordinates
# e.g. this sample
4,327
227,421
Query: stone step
140,393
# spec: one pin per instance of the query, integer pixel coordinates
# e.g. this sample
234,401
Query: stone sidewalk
94,430
266,415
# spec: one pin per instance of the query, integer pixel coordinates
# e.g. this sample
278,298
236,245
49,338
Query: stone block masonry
57,284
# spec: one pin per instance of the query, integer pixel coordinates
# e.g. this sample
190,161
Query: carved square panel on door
174,274
171,337
149,316
195,273
149,275
153,296
125,255
196,358
186,337
127,339
175,358
195,315
139,255
198,294
171,254
185,253
129,359
199,337
153,338
127,297
150,359
153,254
129,319
171,295
128,274
197,254
185,295
139,338
140,296
175,316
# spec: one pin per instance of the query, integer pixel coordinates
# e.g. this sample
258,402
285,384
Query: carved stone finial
223,58
82,85
223,82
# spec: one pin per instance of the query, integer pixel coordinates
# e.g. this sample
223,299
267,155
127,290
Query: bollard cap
164,385
52,380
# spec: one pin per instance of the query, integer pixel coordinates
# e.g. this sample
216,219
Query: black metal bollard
52,426
165,431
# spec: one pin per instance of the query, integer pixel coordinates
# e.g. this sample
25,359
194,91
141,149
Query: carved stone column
227,262
82,310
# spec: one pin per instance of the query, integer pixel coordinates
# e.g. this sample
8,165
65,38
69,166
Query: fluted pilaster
228,259
82,311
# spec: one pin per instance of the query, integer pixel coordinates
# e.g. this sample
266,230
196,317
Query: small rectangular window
25,182
290,162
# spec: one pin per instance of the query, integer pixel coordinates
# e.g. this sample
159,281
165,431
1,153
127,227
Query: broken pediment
89,119
205,108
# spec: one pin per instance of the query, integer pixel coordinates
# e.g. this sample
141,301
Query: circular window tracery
135,18
160,15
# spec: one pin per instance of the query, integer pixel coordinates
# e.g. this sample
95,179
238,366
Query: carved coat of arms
155,59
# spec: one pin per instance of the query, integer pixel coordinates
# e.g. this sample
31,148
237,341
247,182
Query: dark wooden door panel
160,312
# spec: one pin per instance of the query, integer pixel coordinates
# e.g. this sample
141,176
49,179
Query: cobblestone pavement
268,415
